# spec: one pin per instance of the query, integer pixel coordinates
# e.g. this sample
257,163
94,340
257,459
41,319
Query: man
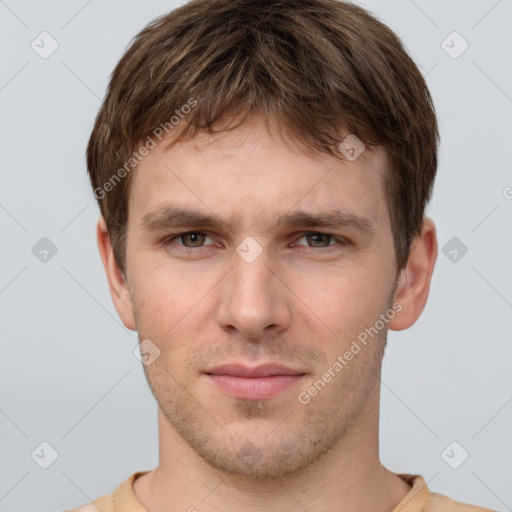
262,170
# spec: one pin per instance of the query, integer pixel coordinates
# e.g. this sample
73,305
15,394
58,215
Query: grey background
68,373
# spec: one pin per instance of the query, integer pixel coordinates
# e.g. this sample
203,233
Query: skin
295,304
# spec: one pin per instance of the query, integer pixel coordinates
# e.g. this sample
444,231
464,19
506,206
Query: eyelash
327,249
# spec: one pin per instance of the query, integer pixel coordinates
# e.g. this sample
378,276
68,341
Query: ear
414,281
118,285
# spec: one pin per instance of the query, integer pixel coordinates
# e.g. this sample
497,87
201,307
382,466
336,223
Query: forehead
250,172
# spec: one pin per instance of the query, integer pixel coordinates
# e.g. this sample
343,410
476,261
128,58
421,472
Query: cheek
164,285
171,305
343,297
339,297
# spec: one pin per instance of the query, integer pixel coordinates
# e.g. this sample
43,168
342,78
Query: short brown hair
316,66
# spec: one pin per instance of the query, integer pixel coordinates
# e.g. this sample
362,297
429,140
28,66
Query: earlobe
119,290
414,281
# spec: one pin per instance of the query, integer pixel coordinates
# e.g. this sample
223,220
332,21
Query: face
242,250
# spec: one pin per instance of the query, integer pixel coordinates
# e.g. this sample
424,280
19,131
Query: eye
190,239
320,239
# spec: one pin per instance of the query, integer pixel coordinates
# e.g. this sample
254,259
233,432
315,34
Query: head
249,113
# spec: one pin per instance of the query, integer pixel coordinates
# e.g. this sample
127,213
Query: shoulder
442,503
420,498
123,498
104,503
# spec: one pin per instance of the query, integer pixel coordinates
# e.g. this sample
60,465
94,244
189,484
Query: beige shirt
419,499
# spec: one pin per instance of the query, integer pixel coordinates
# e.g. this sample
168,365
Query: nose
253,299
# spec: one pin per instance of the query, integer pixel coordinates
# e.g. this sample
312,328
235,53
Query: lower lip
254,388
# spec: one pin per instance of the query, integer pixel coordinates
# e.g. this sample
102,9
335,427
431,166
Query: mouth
253,383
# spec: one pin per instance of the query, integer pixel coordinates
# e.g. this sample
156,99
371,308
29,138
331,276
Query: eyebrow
170,216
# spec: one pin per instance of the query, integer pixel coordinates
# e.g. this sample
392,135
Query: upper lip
264,370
